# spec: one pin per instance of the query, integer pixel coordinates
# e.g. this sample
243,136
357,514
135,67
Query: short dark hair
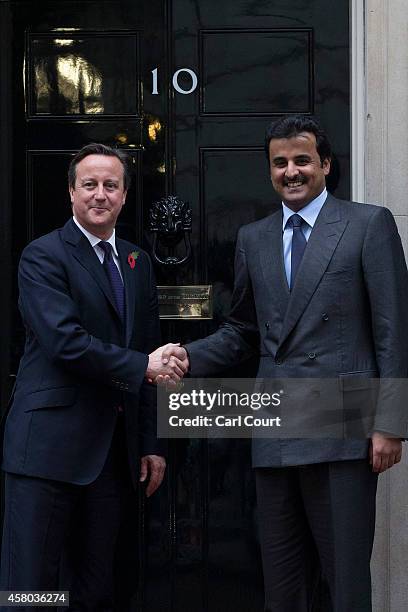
96,148
293,125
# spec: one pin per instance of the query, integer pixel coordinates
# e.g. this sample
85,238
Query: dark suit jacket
346,316
79,363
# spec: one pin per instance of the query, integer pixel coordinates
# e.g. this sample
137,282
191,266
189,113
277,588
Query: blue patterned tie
115,279
298,246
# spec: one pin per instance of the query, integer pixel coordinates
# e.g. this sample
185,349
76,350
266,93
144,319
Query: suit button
311,355
278,361
267,326
325,316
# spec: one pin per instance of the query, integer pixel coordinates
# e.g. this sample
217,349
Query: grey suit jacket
346,316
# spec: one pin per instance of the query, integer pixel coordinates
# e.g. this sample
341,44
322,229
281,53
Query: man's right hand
167,363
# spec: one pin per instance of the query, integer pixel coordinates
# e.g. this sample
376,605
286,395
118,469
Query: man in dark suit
82,422
321,289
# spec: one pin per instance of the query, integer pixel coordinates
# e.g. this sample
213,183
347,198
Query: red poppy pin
132,258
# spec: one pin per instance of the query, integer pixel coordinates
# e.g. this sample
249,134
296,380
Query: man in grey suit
321,291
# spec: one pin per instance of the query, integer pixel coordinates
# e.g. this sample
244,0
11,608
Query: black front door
107,71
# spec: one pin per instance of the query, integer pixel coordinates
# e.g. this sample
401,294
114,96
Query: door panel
257,80
82,72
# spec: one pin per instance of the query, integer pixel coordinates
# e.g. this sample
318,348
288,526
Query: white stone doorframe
379,170
358,99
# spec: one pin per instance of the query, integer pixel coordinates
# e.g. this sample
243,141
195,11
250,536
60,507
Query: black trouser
324,511
48,522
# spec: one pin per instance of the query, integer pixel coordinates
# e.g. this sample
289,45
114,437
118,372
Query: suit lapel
321,245
272,264
131,279
87,257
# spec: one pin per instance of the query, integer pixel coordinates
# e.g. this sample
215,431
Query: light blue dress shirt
309,214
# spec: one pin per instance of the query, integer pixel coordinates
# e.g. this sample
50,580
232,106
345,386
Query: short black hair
96,148
293,125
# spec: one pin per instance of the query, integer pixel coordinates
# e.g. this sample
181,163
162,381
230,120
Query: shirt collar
309,212
94,240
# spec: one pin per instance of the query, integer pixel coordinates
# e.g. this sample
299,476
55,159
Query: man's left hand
152,467
384,452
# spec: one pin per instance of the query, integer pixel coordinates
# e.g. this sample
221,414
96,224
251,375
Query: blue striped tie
114,277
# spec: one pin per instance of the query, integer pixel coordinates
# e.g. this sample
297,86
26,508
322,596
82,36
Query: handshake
167,364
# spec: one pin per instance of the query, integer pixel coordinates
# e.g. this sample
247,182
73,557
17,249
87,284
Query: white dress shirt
100,252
